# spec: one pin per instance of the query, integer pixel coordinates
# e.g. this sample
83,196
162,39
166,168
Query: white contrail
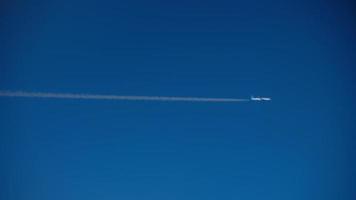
114,97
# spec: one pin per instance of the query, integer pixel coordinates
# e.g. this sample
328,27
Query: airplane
260,98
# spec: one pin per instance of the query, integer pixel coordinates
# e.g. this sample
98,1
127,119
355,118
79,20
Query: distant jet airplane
260,98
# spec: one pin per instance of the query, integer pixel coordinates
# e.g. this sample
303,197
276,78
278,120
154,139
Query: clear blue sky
299,146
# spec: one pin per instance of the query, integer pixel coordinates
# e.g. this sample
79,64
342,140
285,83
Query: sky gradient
301,145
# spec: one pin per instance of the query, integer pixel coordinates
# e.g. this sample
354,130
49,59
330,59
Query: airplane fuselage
260,98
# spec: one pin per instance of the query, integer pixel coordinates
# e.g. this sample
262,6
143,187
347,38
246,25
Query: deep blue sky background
299,146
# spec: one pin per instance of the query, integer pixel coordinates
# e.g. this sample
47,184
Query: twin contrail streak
114,97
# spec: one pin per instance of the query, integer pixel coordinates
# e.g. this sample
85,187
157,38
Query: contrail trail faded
114,97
